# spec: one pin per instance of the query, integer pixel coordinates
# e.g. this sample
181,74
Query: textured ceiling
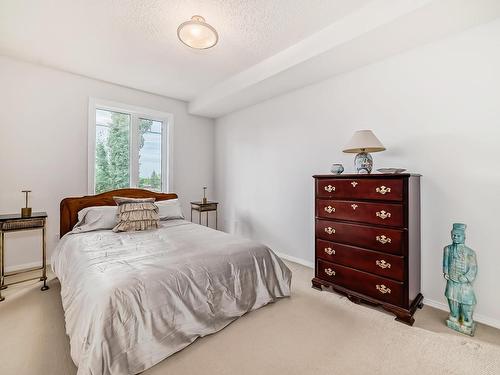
134,42
376,31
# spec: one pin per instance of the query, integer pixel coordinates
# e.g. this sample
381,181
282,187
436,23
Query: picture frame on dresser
367,239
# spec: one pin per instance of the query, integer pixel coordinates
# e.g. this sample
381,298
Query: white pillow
170,209
95,218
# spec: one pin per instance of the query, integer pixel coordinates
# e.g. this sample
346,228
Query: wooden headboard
70,206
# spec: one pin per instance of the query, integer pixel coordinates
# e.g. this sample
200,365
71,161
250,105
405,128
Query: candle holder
26,211
204,200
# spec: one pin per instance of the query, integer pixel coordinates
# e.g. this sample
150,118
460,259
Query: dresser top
34,215
372,175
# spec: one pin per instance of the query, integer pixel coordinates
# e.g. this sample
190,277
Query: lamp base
363,163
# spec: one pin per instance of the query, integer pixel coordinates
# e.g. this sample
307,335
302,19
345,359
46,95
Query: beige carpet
310,333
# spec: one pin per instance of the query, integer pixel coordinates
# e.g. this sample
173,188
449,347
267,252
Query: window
128,147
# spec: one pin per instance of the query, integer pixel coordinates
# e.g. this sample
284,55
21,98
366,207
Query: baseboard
477,317
295,260
18,267
438,305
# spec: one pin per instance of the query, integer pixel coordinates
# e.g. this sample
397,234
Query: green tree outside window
113,156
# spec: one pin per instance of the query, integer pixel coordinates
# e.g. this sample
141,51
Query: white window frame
136,113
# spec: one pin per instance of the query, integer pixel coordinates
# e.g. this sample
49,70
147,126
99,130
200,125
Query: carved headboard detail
70,206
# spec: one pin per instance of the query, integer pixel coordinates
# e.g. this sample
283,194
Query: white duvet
133,299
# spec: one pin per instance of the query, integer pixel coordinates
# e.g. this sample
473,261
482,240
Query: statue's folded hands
463,279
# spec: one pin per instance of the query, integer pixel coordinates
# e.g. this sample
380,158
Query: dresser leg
316,285
405,318
353,299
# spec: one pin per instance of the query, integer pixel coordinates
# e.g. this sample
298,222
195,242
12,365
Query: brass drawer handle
329,188
383,239
330,230
329,209
382,289
354,206
383,214
383,190
354,183
329,272
329,250
383,264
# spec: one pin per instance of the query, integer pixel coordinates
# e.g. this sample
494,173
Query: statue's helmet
459,227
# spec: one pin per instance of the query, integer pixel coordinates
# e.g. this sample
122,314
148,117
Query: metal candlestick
204,195
26,211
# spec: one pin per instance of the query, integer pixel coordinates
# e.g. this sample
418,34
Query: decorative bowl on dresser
368,239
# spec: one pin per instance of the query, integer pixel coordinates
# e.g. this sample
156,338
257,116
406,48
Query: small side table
204,207
15,223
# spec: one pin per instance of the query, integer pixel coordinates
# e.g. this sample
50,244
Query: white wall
436,109
43,144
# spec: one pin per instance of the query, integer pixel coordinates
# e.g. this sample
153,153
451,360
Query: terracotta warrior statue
460,269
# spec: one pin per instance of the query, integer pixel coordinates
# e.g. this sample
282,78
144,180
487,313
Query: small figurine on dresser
460,269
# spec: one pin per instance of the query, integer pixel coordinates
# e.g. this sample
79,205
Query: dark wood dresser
368,239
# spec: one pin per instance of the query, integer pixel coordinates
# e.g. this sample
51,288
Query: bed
132,299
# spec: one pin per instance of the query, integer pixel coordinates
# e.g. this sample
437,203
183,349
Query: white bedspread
133,299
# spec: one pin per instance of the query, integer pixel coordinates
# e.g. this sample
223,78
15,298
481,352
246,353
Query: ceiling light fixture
198,34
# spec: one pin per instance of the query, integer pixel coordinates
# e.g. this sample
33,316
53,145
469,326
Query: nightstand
16,223
204,207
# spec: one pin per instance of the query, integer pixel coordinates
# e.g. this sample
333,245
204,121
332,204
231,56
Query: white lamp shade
198,34
364,141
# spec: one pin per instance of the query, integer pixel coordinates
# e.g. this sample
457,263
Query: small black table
204,207
15,223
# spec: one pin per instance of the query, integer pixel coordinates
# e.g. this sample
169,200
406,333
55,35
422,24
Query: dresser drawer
382,239
370,285
371,213
382,264
360,188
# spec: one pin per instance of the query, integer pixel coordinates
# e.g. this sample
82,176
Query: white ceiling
134,42
266,47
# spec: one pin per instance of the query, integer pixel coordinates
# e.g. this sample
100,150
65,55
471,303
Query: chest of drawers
368,239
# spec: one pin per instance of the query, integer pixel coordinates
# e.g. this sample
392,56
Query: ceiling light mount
197,33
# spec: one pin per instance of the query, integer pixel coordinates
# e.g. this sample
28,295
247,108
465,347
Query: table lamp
361,143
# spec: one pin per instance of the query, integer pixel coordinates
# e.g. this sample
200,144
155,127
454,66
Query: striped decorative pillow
136,214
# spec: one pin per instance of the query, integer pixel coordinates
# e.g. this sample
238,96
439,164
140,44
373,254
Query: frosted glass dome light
198,34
